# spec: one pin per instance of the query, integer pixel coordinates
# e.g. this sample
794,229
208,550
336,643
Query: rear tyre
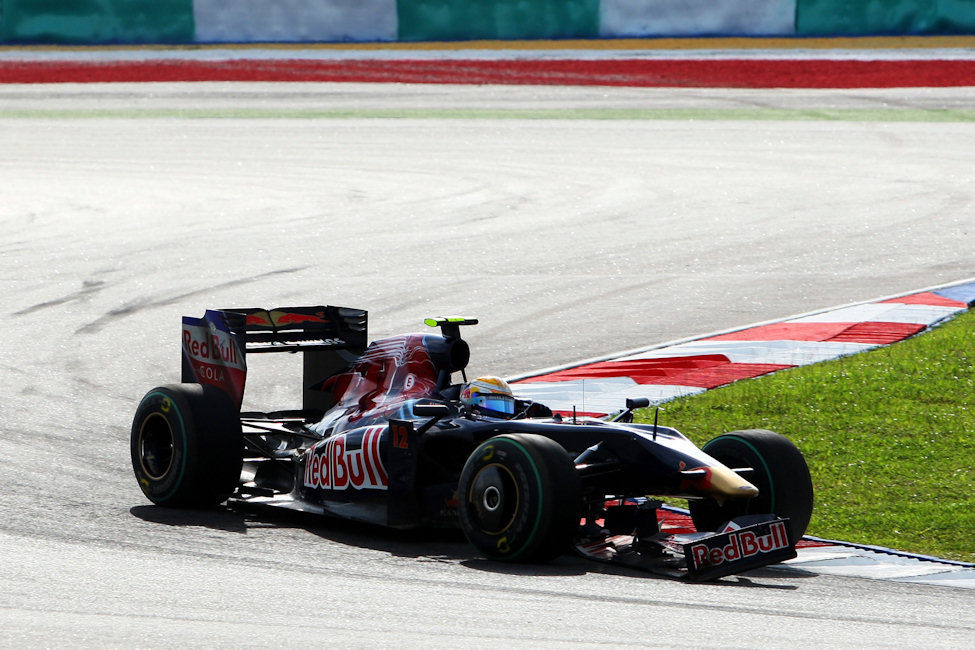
186,446
519,498
780,474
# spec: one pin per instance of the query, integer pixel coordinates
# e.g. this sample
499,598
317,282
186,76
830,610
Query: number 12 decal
400,436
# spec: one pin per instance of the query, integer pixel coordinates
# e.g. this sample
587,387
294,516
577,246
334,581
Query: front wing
742,545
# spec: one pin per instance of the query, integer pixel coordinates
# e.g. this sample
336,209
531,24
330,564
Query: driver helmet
490,396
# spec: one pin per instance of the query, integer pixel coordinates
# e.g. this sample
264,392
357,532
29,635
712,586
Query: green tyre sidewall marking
209,439
761,458
781,475
541,497
160,396
520,455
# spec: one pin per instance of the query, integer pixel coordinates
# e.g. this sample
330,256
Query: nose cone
725,484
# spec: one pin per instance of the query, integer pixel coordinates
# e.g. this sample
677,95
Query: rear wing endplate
215,347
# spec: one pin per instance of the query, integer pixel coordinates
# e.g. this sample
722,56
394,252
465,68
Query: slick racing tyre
519,498
780,474
187,446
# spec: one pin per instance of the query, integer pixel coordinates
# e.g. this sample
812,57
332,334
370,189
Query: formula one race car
385,436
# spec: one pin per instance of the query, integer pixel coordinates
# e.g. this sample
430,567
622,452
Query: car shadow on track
765,578
446,545
423,545
217,519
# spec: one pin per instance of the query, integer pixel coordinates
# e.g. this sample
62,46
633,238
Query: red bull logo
203,345
333,466
741,544
278,318
215,358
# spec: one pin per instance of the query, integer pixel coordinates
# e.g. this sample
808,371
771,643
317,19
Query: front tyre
780,474
186,446
519,498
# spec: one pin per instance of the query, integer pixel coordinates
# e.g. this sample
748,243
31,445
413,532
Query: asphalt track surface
568,238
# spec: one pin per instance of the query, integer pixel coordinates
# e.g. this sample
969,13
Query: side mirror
626,416
431,410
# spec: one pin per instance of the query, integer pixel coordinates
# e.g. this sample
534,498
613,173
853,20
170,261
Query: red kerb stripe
728,73
786,332
706,371
643,371
867,332
880,333
927,298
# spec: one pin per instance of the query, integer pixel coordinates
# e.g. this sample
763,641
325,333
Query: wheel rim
493,499
156,447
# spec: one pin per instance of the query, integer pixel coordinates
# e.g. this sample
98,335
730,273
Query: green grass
889,436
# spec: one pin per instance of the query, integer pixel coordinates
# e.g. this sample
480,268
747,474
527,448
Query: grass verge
889,436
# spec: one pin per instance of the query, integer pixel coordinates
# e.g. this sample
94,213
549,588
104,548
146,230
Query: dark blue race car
387,436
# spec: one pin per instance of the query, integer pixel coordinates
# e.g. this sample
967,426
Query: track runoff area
661,372
886,62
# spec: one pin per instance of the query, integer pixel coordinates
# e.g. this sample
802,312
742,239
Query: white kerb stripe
883,312
604,395
786,353
842,561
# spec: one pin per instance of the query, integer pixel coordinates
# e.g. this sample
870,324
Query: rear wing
216,346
